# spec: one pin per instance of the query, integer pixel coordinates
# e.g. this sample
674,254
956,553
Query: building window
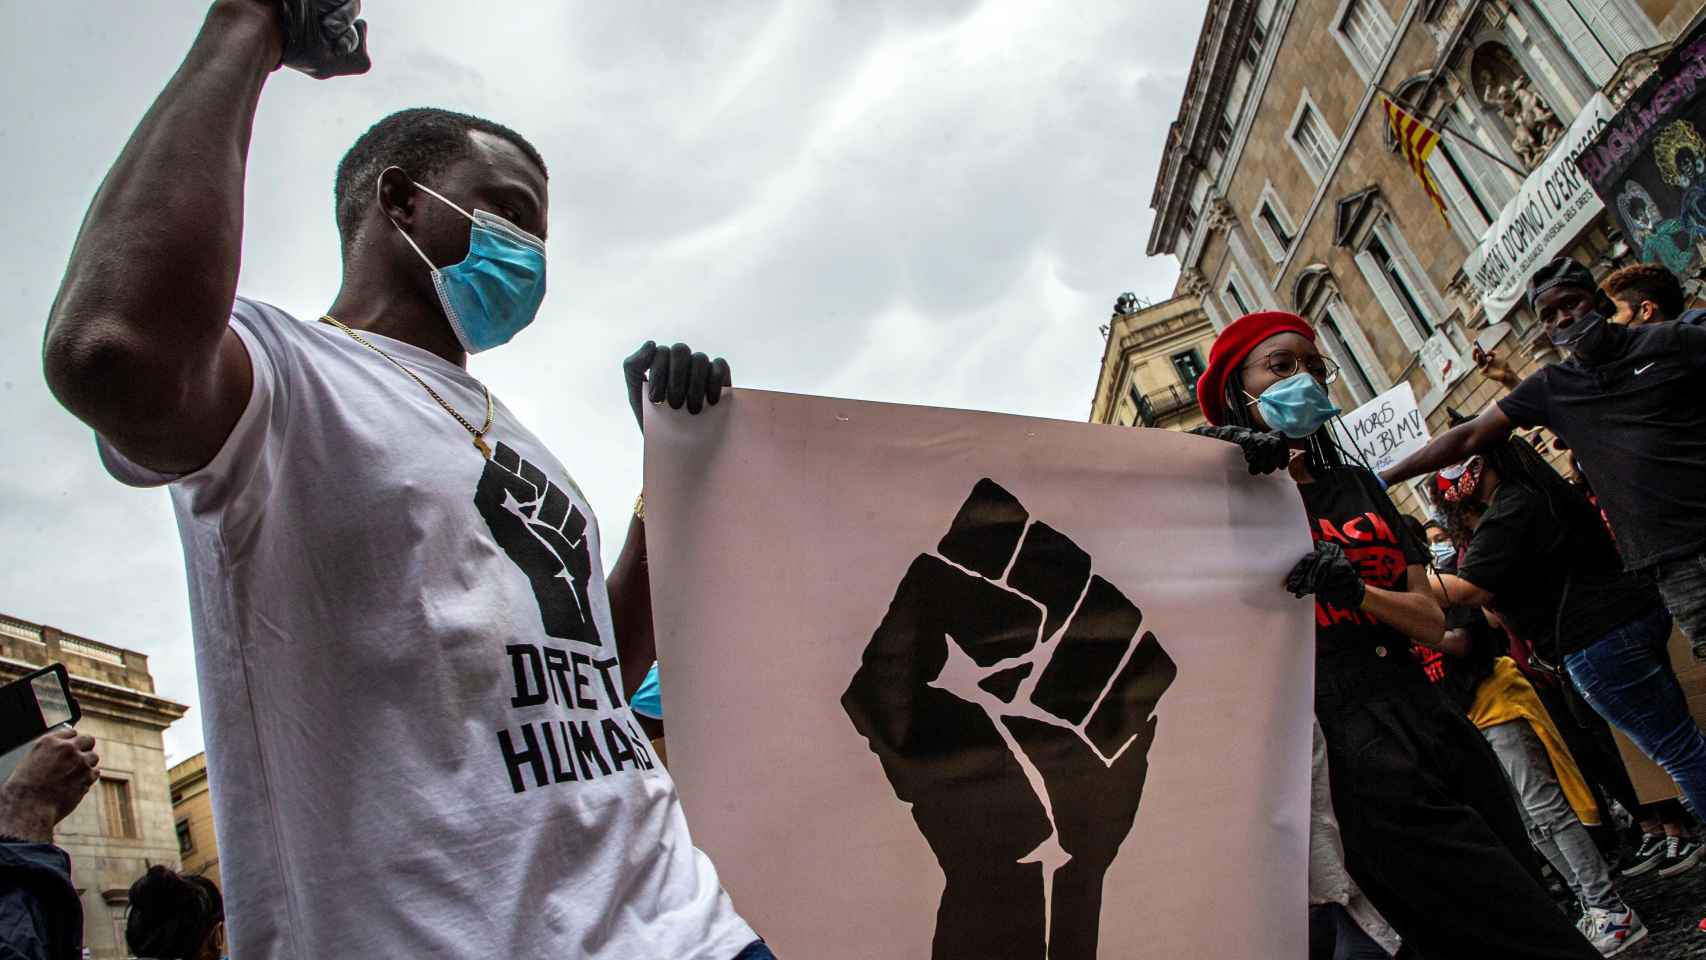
1364,32
1312,141
1460,189
1273,225
1600,34
1190,367
1237,298
1357,381
117,815
1223,136
1272,220
1258,39
186,840
1400,287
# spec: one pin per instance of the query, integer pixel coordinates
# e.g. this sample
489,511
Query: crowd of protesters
1468,672
1458,742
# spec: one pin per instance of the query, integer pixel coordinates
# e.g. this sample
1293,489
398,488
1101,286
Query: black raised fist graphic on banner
540,529
1009,696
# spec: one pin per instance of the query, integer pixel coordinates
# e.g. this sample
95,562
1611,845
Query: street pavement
1672,909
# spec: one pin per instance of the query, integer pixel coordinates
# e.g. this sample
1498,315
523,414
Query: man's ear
1648,308
397,195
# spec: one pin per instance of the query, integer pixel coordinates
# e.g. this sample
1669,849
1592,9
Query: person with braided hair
1431,833
174,916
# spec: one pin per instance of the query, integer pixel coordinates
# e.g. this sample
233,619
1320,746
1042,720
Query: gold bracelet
640,507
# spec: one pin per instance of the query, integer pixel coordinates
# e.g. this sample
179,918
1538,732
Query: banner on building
1384,430
1649,162
951,684
1553,207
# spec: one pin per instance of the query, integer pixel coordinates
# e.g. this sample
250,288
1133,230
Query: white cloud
923,202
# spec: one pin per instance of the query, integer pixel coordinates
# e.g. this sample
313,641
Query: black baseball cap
1562,272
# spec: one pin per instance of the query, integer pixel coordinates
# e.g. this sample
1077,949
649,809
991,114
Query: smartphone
31,706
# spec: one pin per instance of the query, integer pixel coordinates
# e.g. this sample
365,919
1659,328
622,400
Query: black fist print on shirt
545,534
1010,698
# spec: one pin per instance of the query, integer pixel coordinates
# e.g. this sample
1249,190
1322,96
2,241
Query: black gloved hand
323,38
677,375
1263,452
1329,575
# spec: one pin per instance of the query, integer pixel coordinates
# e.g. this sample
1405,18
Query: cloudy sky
917,201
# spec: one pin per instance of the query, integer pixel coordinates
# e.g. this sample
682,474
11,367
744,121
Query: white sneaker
1613,931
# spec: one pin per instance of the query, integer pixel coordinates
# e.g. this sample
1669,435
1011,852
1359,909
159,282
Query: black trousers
1430,825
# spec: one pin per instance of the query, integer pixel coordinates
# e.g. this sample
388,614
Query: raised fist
540,529
323,38
1010,699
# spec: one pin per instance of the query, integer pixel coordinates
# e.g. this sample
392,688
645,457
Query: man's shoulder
264,318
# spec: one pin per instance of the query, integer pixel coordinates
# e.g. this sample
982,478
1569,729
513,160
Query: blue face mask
1296,406
495,292
1443,552
648,700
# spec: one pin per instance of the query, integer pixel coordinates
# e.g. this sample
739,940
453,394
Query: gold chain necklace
479,435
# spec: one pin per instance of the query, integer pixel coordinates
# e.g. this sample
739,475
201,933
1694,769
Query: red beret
1230,349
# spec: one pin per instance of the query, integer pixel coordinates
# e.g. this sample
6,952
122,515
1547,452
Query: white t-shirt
416,735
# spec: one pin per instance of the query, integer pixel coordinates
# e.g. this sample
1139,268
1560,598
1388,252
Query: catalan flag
1417,141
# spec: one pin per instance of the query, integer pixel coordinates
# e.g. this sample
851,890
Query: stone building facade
192,814
124,824
1281,185
1150,366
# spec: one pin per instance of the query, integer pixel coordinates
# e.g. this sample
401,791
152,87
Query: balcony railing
1160,404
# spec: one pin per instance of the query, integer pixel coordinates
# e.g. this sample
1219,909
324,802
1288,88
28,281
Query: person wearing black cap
1431,831
1628,403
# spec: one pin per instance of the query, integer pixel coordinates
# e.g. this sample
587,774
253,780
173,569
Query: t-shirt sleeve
1499,552
1526,405
237,468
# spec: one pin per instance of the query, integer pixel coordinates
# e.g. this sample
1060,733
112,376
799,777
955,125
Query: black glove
1263,452
323,38
678,376
1329,575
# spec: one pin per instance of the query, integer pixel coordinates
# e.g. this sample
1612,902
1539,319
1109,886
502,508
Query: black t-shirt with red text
1346,506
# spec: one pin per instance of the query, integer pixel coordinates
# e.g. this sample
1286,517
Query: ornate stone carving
1534,127
1461,298
1220,215
1192,282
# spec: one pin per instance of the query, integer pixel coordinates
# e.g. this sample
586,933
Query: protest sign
1384,430
1553,207
950,684
1649,161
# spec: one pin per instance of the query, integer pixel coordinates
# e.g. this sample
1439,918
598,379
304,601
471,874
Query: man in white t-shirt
416,716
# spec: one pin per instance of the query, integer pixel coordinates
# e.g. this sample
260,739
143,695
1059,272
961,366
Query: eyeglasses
1284,363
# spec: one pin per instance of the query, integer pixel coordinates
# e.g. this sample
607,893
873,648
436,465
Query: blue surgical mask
495,292
1296,406
648,700
1443,552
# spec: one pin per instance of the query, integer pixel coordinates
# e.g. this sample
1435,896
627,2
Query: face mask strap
411,240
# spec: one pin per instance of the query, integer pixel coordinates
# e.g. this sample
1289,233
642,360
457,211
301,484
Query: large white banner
1384,430
963,685
1554,205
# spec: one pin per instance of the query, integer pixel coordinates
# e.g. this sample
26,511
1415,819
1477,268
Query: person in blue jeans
1539,556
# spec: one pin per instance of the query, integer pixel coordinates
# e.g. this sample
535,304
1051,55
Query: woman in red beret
1431,832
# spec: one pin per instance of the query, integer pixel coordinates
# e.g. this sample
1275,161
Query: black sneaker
1681,856
1650,855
